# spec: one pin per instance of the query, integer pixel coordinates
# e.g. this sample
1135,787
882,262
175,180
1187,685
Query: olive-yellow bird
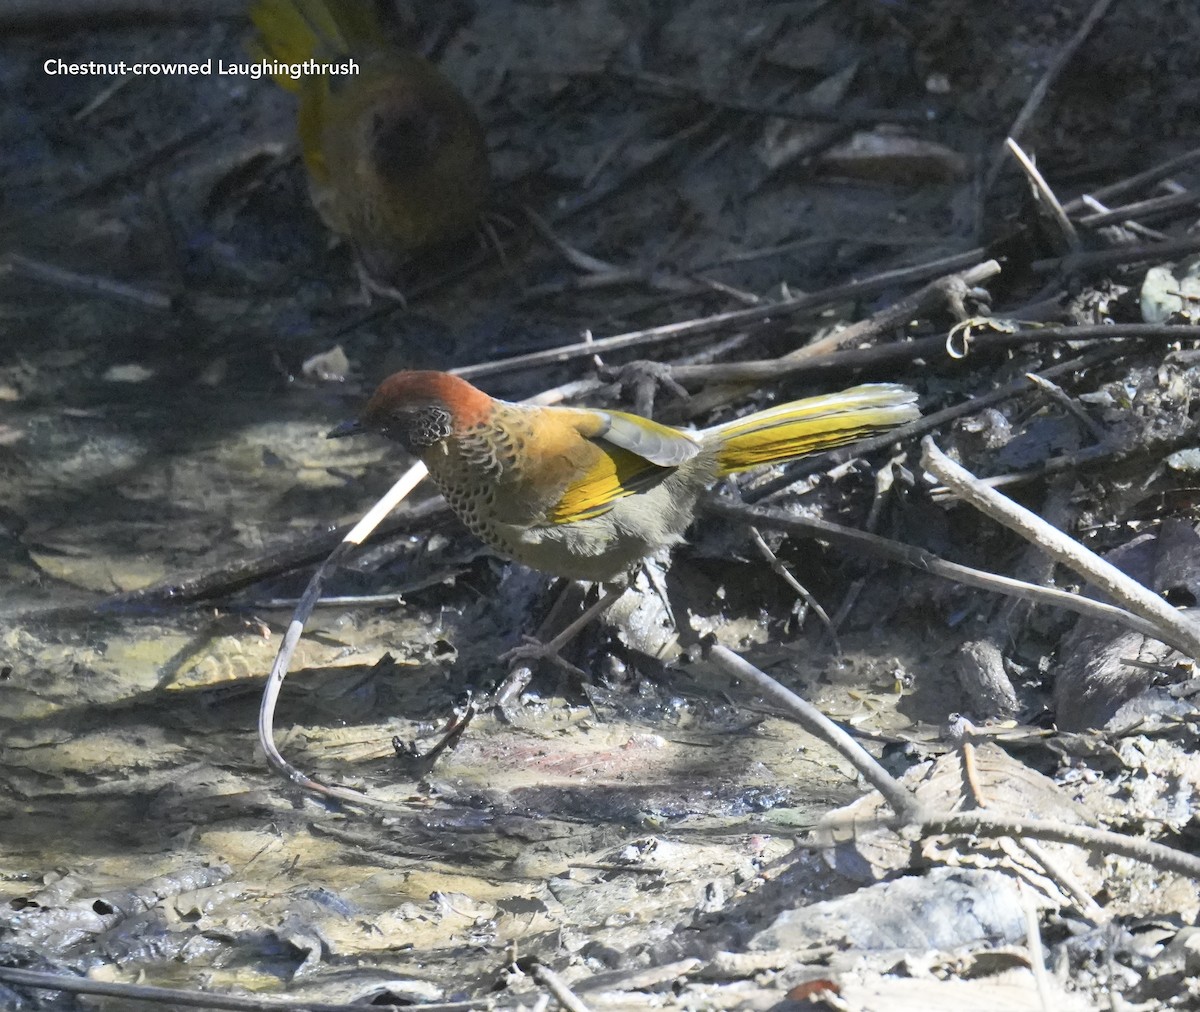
396,157
585,493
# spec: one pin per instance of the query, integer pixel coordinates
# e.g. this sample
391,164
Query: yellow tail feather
292,31
816,423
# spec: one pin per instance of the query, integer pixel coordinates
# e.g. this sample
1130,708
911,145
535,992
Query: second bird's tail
815,423
292,31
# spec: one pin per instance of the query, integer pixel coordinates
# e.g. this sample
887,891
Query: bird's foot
371,288
533,649
644,378
489,237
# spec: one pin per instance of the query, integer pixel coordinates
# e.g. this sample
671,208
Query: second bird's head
419,410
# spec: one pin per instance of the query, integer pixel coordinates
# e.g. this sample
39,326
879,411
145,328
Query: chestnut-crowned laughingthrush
395,155
587,493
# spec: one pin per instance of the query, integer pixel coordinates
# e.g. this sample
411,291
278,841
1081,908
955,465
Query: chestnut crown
417,409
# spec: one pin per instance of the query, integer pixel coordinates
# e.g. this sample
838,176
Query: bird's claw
645,378
533,649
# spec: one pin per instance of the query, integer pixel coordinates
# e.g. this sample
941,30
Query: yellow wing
629,455
615,475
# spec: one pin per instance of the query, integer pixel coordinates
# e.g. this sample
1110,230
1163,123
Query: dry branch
1172,627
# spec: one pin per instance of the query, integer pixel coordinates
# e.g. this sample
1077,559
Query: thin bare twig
909,239
88,284
1066,879
671,87
177,997
945,291
137,167
1152,205
1135,227
602,270
1101,841
1055,868
226,579
279,667
1061,397
949,291
456,726
897,795
1136,182
660,152
1171,626
103,96
608,154
1042,88
918,558
789,578
638,978
1078,263
881,355
911,814
1037,951
598,273
724,321
884,482
1042,189
553,983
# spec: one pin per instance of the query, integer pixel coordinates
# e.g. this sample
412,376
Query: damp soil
167,286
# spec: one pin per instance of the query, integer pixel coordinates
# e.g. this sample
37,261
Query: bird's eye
419,427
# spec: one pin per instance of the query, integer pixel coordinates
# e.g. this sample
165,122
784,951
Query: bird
396,157
586,493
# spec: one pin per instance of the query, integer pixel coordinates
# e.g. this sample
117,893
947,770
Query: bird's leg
520,672
371,288
645,378
489,238
535,649
654,574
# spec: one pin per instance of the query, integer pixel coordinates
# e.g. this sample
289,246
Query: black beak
351,428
